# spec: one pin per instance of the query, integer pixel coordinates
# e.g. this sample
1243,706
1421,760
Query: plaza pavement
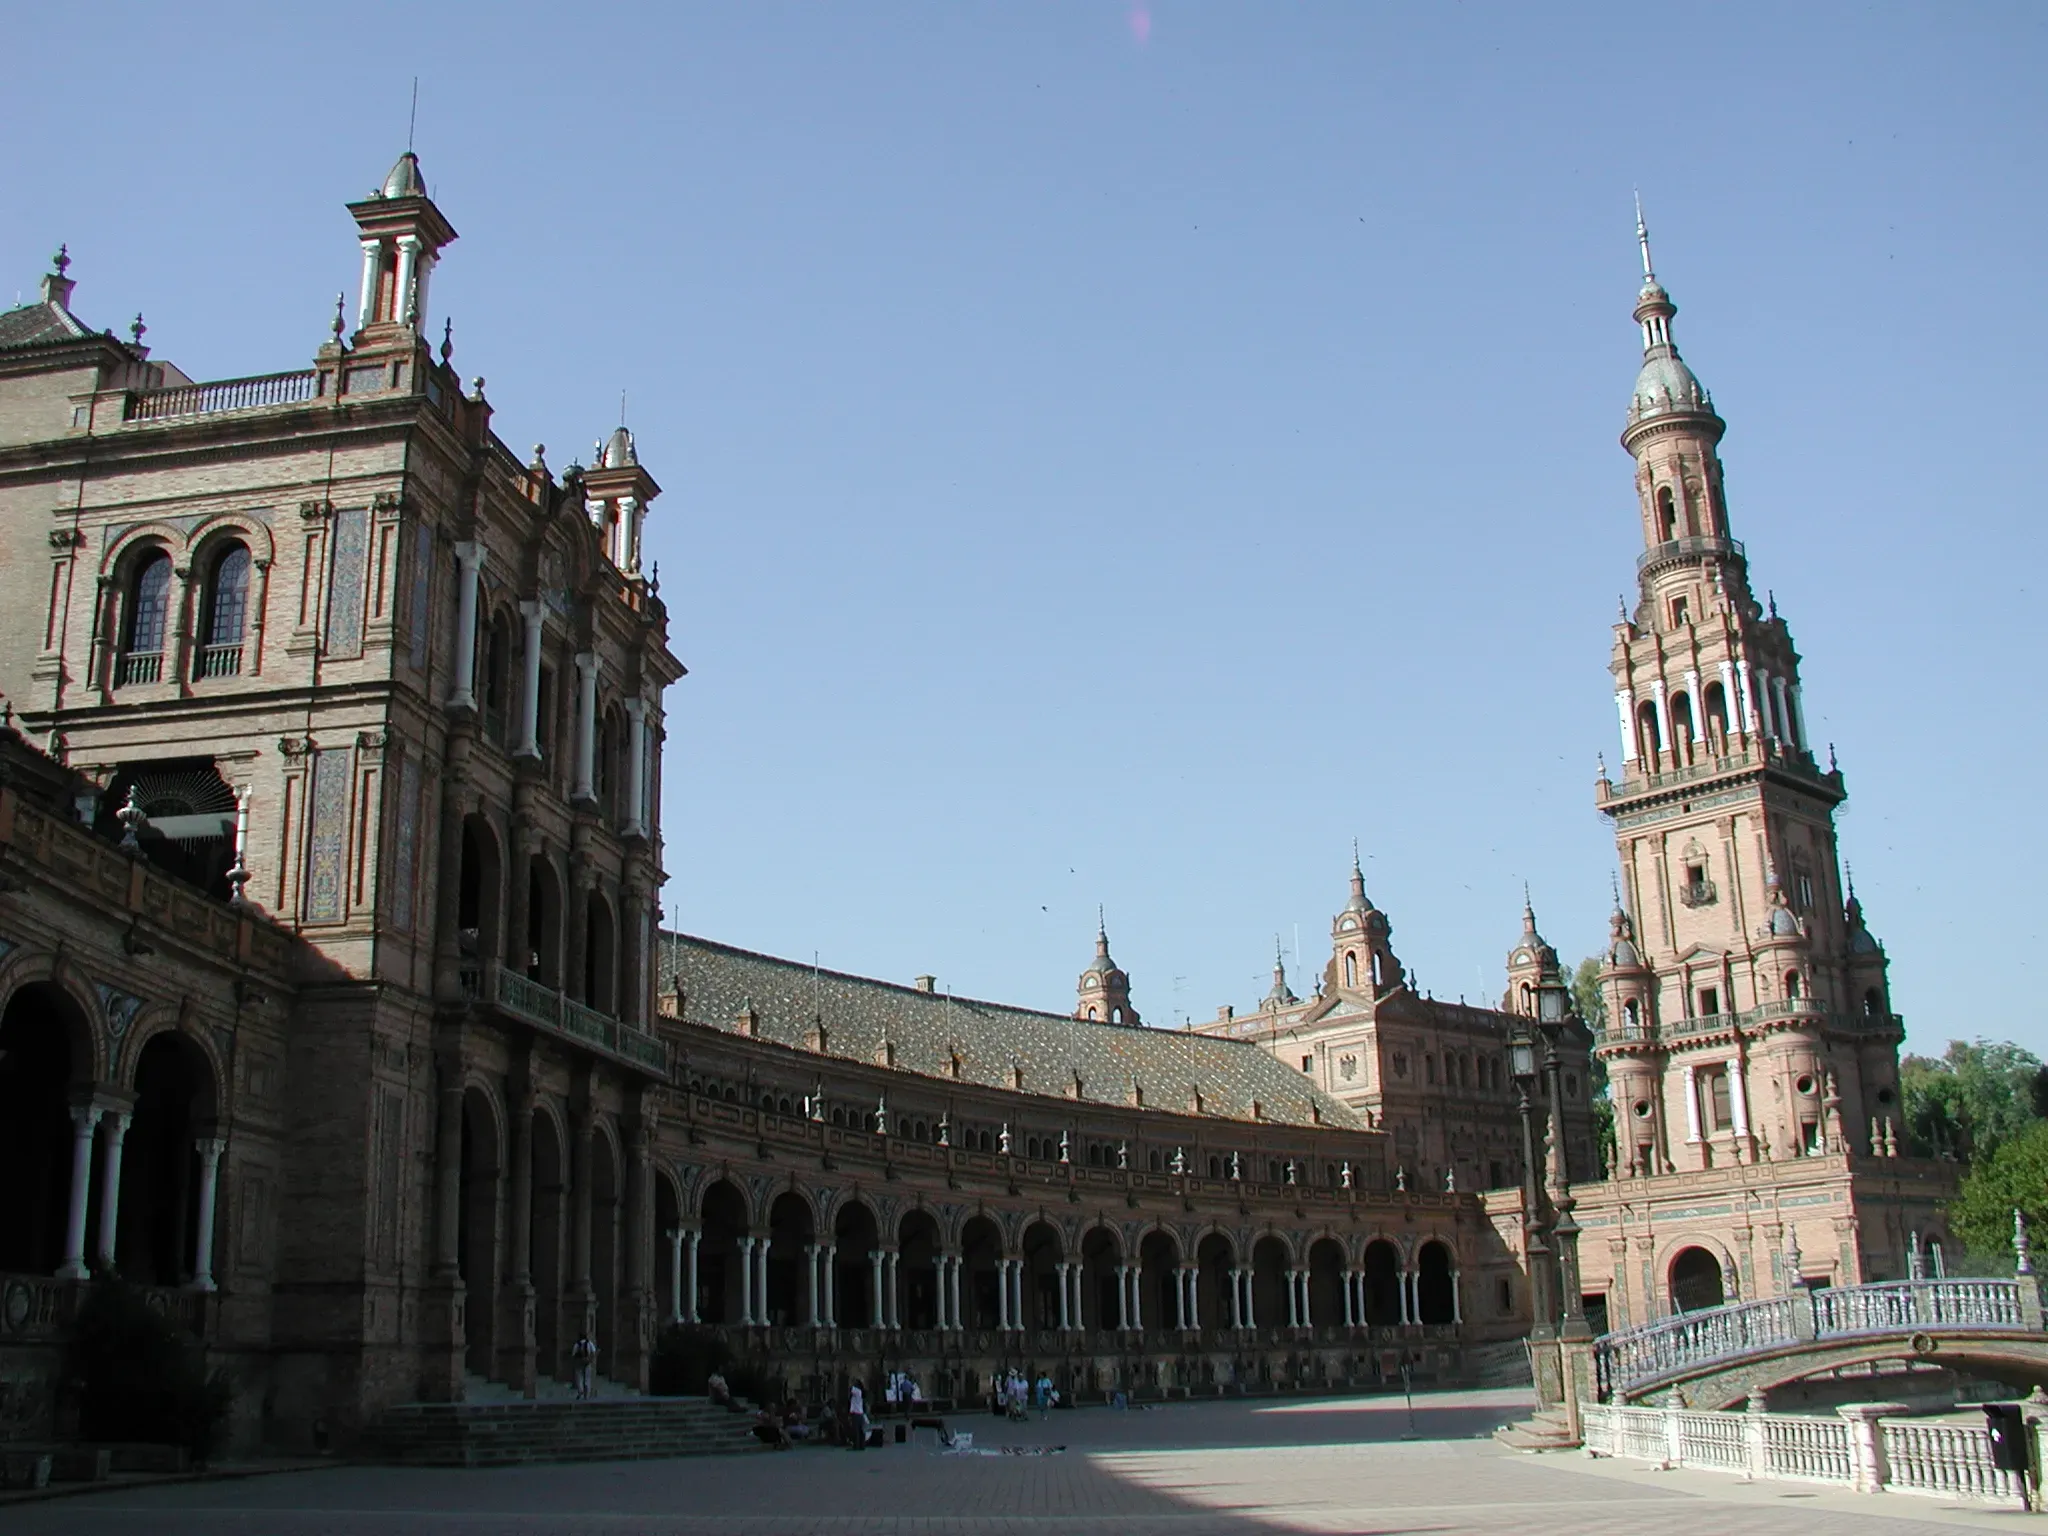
1207,1469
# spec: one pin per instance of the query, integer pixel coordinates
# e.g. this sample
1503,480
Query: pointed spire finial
62,260
412,118
1643,240
136,329
447,339
340,316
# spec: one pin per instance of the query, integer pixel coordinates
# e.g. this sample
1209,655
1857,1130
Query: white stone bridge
1716,1357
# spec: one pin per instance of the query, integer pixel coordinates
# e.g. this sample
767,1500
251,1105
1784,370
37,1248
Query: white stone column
530,614
831,1301
875,1280
810,1285
423,275
1663,702
746,1282
1183,1297
1738,1096
1690,1087
1018,1310
1749,720
1002,1295
405,309
675,1274
690,1278
633,823
1789,730
1137,1314
83,1118
373,253
1066,1311
1763,703
116,1126
1078,1275
1457,1297
469,557
1728,698
1407,1312
636,522
953,1293
1798,717
1350,1300
761,1269
586,725
895,1312
210,1149
1625,706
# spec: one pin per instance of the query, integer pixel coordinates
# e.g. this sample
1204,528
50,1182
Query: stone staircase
515,1430
1545,1430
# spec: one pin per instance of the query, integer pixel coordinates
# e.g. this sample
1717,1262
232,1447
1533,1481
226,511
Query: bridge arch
1694,1280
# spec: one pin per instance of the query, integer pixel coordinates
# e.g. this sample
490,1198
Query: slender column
675,1274
424,275
1066,1312
633,822
895,1298
1798,716
1079,1276
1457,1297
1785,722
210,1149
831,1289
1728,700
1183,1297
1294,1298
586,725
1407,1314
1663,702
1018,1310
1350,1300
1691,1089
1137,1313
1236,1298
1625,706
747,1282
366,302
404,310
1749,720
810,1285
1763,704
1123,1296
636,521
116,1126
468,561
530,613
1002,1295
875,1297
1195,1297
761,1274
691,1238
1738,1096
1241,1296
447,1175
520,1267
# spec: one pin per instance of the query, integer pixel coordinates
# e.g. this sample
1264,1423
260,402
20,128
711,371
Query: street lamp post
1522,1067
1552,1008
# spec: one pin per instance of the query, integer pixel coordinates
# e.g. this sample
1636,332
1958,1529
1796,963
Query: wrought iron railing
529,1000
1697,547
224,395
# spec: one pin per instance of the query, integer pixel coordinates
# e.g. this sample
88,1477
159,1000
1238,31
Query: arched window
1667,514
1682,732
145,619
1350,969
1873,1004
498,648
1717,717
226,614
1379,971
1649,735
1792,986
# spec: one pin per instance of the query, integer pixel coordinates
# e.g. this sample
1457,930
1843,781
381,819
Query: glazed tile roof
40,324
1052,1050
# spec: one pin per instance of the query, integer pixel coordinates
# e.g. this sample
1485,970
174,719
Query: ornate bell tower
1748,1016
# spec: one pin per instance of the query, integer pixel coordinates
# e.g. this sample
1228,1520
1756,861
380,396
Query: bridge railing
1692,1341
1856,1450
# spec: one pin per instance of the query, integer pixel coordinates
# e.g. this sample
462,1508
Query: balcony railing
1697,893
224,395
1697,548
529,1000
1804,1008
219,661
140,667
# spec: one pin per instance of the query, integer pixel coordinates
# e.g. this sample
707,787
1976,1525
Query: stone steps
507,1434
1545,1430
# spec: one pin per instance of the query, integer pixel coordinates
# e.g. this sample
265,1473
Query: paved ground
1213,1469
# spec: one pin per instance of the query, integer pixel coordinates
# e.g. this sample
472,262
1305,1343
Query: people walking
857,1416
1044,1394
583,1363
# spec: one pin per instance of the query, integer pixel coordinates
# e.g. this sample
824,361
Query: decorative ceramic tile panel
404,855
327,839
422,588
345,586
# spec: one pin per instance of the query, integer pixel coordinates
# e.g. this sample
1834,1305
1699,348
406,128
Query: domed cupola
1280,995
1530,963
618,451
1104,990
1622,954
405,179
1361,950
1666,389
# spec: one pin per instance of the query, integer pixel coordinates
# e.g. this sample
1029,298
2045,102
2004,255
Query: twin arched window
145,621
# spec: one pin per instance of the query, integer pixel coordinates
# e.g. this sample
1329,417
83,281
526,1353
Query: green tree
1972,1099
1592,1008
2014,1176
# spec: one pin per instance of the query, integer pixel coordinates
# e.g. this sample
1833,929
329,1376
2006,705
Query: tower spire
1643,240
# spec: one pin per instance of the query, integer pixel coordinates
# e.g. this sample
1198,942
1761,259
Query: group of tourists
1015,1396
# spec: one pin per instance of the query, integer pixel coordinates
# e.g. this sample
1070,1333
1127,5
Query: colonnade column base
518,1363
634,1347
443,1339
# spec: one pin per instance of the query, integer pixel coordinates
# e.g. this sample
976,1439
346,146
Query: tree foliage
1592,1008
1972,1099
2012,1176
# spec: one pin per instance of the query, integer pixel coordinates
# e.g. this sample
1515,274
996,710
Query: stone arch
1382,1265
1102,1257
253,532
1158,1253
918,1244
1721,1253
856,1238
599,982
607,1236
479,1236
1436,1267
1326,1269
791,1236
1044,1248
1272,1261
1216,1260
479,888
50,1048
1695,1279
158,1020
723,1221
548,1232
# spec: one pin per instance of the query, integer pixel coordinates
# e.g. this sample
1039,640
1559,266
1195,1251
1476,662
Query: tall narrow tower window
227,614
1667,514
148,612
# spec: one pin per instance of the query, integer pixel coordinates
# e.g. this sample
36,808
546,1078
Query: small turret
1104,990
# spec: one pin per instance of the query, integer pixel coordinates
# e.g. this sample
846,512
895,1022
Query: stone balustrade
1865,1447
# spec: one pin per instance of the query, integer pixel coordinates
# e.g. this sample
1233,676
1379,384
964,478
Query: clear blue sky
1123,454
